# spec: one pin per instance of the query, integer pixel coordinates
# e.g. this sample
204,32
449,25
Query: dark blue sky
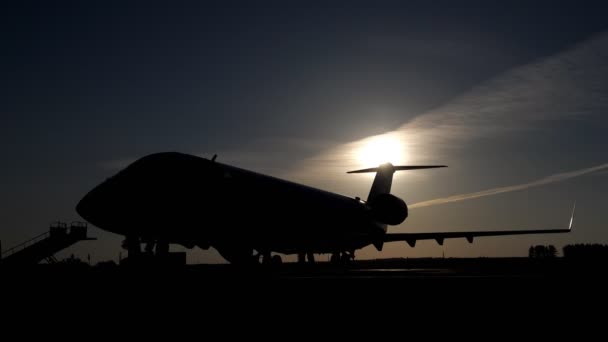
88,86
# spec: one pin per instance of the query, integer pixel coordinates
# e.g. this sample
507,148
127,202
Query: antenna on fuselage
213,158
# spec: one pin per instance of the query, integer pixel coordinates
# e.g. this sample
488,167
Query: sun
381,149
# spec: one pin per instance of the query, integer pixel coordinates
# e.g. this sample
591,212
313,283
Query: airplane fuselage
184,199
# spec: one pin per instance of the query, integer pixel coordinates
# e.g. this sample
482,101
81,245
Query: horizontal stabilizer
399,168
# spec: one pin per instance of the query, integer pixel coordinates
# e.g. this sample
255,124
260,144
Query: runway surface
388,269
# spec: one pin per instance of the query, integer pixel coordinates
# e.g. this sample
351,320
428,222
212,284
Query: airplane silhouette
175,198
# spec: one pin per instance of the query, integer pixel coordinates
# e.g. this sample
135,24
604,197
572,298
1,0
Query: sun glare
381,149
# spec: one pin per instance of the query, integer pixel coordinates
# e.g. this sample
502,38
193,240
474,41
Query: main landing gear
152,247
337,258
303,256
342,258
268,259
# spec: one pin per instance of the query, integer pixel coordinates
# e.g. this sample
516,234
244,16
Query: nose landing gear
155,252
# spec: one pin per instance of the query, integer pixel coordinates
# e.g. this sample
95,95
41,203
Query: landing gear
162,248
149,248
132,245
303,257
268,259
342,258
311,257
155,252
335,258
346,258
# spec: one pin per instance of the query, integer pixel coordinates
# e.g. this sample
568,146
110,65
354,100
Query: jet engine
239,255
389,209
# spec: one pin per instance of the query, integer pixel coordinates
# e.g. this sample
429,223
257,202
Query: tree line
576,251
586,251
542,252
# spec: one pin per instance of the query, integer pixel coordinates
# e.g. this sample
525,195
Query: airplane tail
384,177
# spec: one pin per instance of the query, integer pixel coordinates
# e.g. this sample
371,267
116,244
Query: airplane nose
94,206
86,207
104,207
83,207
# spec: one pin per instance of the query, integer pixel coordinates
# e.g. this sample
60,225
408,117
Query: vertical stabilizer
382,182
384,177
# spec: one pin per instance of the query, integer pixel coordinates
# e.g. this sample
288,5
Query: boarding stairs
44,246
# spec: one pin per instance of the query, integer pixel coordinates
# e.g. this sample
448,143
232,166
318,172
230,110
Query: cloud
572,85
560,177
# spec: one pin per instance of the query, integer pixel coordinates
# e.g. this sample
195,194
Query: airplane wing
411,238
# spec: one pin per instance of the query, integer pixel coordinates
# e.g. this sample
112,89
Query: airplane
174,198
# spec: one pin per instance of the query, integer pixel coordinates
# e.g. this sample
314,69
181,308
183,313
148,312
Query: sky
512,97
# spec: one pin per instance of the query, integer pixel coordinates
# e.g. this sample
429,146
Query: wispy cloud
571,85
560,177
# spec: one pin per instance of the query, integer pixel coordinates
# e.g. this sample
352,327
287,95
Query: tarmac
384,269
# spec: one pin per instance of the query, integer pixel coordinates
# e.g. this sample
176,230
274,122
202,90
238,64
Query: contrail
560,177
